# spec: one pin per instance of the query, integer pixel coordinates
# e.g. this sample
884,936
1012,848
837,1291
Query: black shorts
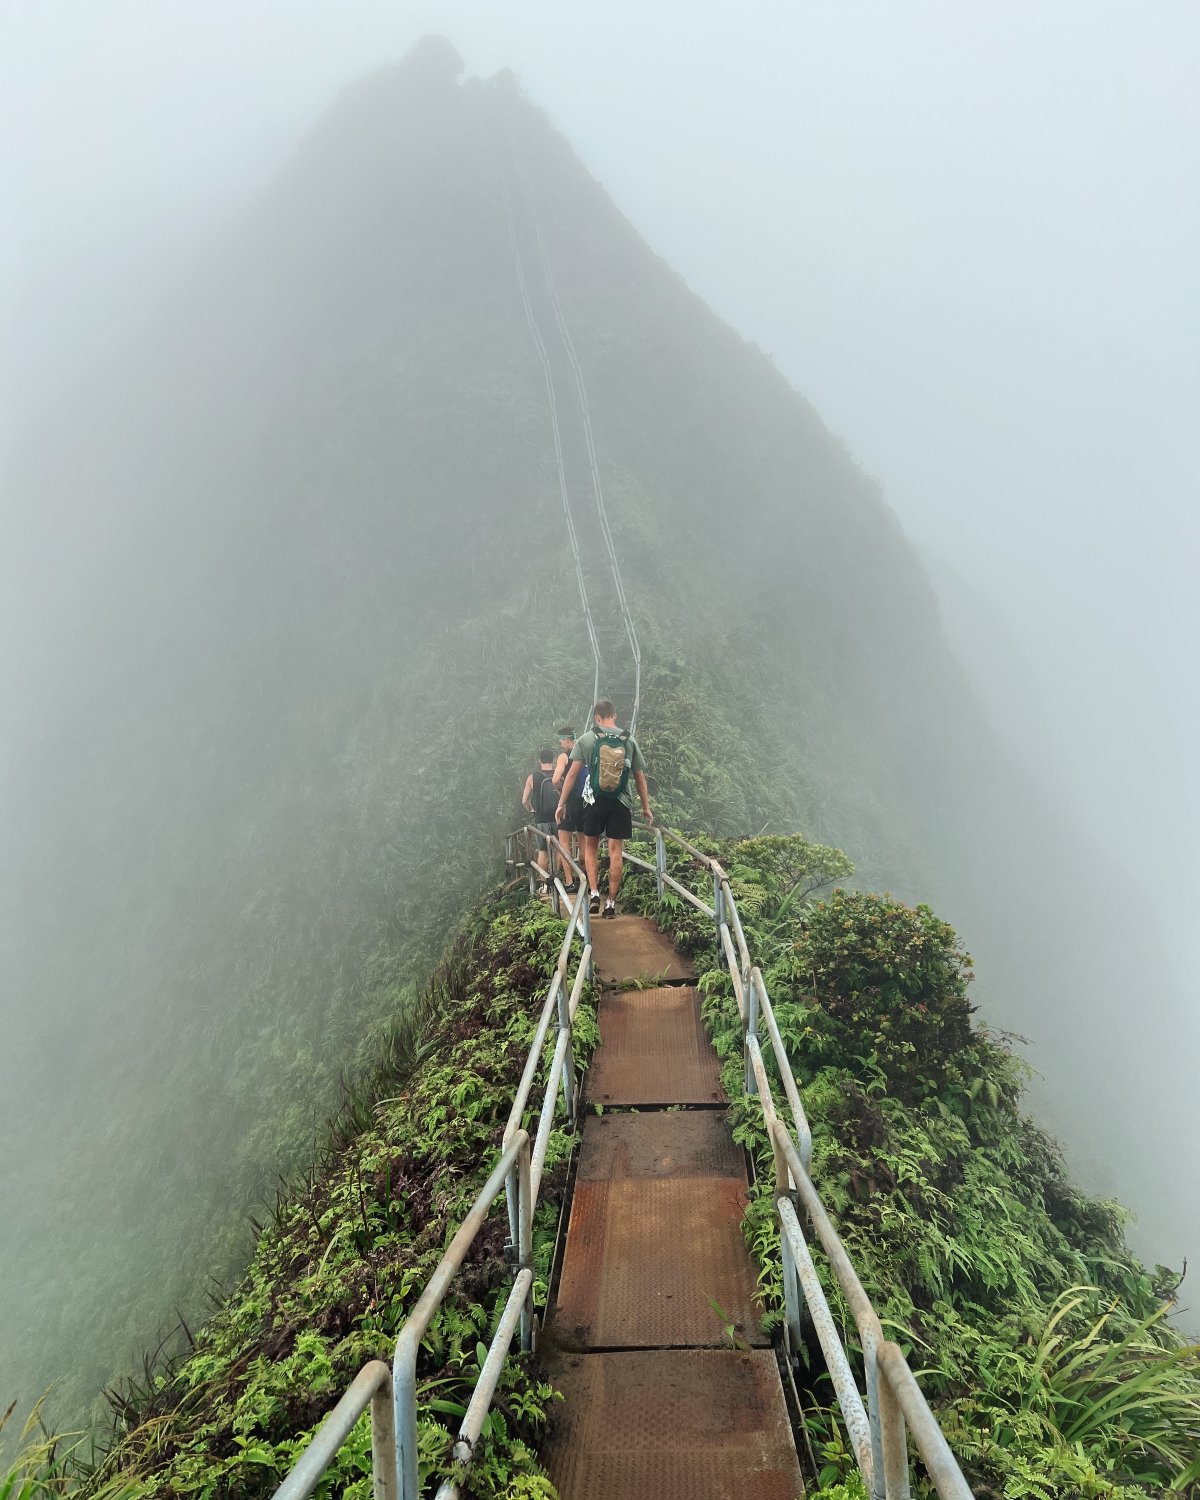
573,815
607,816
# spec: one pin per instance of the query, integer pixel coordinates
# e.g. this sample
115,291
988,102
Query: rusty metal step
696,1424
629,947
653,1050
654,1254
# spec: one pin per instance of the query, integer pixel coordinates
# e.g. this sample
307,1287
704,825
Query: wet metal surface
654,1245
689,1144
655,1425
661,1401
653,1050
628,947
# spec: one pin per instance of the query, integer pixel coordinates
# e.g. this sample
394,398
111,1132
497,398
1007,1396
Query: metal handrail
552,405
391,1393
372,1387
564,332
877,1427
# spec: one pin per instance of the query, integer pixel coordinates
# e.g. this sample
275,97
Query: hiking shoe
610,908
594,903
544,888
572,888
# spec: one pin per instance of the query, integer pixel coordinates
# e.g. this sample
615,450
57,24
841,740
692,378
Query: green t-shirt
582,750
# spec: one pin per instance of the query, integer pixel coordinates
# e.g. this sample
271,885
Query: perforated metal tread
693,1143
654,1050
629,947
649,1254
699,1424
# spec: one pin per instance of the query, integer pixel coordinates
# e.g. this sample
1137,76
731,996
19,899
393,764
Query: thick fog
969,235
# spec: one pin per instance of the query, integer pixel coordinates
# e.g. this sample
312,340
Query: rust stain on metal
694,1143
647,1258
698,1424
655,1267
628,947
654,1050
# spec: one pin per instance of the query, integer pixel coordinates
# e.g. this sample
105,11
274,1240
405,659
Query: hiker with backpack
572,821
540,799
611,760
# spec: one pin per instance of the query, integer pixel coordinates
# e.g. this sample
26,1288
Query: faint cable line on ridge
552,402
597,488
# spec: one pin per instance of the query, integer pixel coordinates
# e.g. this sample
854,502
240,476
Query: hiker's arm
560,768
527,793
644,793
572,778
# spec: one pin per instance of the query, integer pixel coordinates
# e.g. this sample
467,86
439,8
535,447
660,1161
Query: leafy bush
1041,1342
885,983
343,1258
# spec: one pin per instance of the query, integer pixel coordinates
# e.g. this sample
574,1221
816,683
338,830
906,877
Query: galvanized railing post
383,1444
525,1239
793,1295
751,1027
870,1343
404,1408
894,1441
660,860
718,907
568,1077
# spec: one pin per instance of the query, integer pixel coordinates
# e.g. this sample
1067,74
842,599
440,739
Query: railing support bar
489,1376
731,963
930,1441
526,1203
383,1441
371,1380
568,1067
894,1441
793,1296
870,1343
752,1028
858,1427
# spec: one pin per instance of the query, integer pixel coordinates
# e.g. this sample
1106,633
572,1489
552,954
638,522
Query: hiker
611,759
540,799
573,821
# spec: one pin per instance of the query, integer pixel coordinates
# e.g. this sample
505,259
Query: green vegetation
1040,1340
342,1260
336,618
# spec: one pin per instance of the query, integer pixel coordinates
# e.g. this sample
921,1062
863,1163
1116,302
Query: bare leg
616,863
591,860
564,843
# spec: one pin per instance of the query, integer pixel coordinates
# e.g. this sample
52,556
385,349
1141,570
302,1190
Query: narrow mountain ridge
292,574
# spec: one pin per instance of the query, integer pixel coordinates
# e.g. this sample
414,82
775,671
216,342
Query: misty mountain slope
761,541
296,608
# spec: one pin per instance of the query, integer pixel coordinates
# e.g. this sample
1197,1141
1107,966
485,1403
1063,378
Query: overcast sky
969,233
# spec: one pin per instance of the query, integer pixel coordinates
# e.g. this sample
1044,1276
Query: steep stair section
655,1341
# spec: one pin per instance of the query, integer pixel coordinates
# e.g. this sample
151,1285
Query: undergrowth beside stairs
343,1258
1041,1342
